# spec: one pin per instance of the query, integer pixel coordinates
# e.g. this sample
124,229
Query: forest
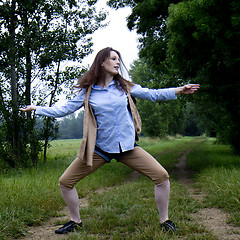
180,42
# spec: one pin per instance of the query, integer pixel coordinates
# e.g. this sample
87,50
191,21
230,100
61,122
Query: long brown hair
96,73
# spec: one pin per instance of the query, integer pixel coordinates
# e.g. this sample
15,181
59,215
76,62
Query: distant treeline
71,127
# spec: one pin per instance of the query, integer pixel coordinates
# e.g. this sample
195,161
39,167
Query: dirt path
47,230
214,219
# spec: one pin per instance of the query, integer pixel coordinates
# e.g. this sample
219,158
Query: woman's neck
107,81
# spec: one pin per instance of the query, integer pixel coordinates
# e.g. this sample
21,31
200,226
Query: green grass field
127,210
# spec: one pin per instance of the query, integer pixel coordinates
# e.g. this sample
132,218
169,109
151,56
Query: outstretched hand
28,108
187,89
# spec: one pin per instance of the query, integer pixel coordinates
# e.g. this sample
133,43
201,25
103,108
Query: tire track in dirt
213,219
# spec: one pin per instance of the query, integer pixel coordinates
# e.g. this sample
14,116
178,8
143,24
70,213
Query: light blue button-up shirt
115,127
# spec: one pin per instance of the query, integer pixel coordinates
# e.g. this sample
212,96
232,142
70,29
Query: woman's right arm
58,111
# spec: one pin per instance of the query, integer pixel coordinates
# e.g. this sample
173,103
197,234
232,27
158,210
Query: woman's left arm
162,94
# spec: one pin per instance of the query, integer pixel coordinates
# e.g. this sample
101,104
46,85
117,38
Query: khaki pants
137,159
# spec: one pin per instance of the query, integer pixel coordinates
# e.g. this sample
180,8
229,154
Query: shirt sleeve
153,94
60,111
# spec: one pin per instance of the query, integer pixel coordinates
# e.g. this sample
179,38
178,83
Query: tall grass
218,176
223,190
208,154
27,198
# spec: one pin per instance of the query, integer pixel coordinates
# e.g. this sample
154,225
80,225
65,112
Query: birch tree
37,38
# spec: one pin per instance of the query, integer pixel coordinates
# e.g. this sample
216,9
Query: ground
213,219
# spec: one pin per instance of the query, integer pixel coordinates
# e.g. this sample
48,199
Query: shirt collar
94,86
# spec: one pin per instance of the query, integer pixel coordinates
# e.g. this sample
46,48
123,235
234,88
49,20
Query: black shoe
169,226
68,227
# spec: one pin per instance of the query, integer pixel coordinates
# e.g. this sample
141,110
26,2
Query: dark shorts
109,156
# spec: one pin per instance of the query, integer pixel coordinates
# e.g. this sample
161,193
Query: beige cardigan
87,147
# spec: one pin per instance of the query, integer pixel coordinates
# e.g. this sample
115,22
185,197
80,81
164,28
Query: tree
36,38
203,43
158,119
194,125
148,17
197,41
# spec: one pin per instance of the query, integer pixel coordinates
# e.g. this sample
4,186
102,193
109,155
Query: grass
64,148
27,198
128,209
218,176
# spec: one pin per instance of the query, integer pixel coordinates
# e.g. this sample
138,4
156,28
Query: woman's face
112,63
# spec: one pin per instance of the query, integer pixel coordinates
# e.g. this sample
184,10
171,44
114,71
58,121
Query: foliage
197,41
203,43
36,40
163,118
195,125
153,71
148,17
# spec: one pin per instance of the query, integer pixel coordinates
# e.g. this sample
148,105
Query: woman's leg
70,196
74,173
143,162
162,199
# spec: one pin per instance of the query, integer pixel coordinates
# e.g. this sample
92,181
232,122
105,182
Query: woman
111,124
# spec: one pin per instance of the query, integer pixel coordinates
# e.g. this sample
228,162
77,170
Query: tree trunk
46,132
14,95
32,139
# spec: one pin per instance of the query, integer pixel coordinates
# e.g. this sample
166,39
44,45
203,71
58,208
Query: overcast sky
115,35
